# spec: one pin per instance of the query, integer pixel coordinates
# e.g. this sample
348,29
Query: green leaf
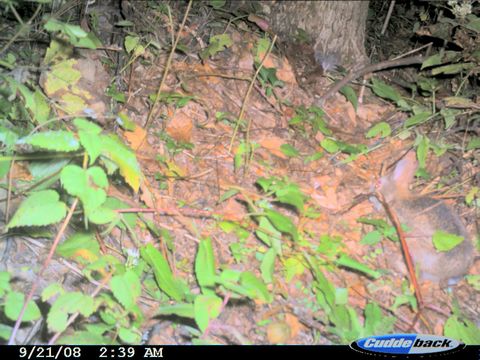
90,139
183,310
417,119
217,4
289,150
444,241
206,307
131,43
217,44
422,151
39,209
290,194
14,303
81,246
68,303
126,288
371,238
51,291
130,336
227,195
79,182
462,330
350,263
385,91
5,332
432,61
382,128
452,68
83,338
162,272
268,234
4,282
349,93
53,140
268,265
474,143
205,269
124,158
329,145
282,223
255,287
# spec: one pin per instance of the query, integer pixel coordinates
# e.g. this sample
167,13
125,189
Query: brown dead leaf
273,144
278,332
136,138
20,172
180,126
233,211
294,324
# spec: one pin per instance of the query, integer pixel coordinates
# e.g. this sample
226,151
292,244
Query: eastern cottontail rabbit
423,216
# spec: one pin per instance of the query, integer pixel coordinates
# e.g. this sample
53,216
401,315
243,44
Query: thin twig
20,31
387,19
167,67
246,97
418,59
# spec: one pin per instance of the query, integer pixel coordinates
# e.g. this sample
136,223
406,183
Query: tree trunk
336,28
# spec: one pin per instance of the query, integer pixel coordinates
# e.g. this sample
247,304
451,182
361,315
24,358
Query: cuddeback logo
406,344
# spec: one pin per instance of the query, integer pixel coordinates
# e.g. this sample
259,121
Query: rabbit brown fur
423,216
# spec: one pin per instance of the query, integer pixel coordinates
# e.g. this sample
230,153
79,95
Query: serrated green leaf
130,336
381,128
207,308
183,310
13,305
462,330
126,288
102,215
39,209
68,303
53,140
162,272
205,264
81,246
78,182
444,241
5,331
52,290
124,158
83,338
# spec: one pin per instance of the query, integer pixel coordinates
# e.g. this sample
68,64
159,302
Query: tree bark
336,28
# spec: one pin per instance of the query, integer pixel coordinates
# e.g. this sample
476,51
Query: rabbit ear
405,169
